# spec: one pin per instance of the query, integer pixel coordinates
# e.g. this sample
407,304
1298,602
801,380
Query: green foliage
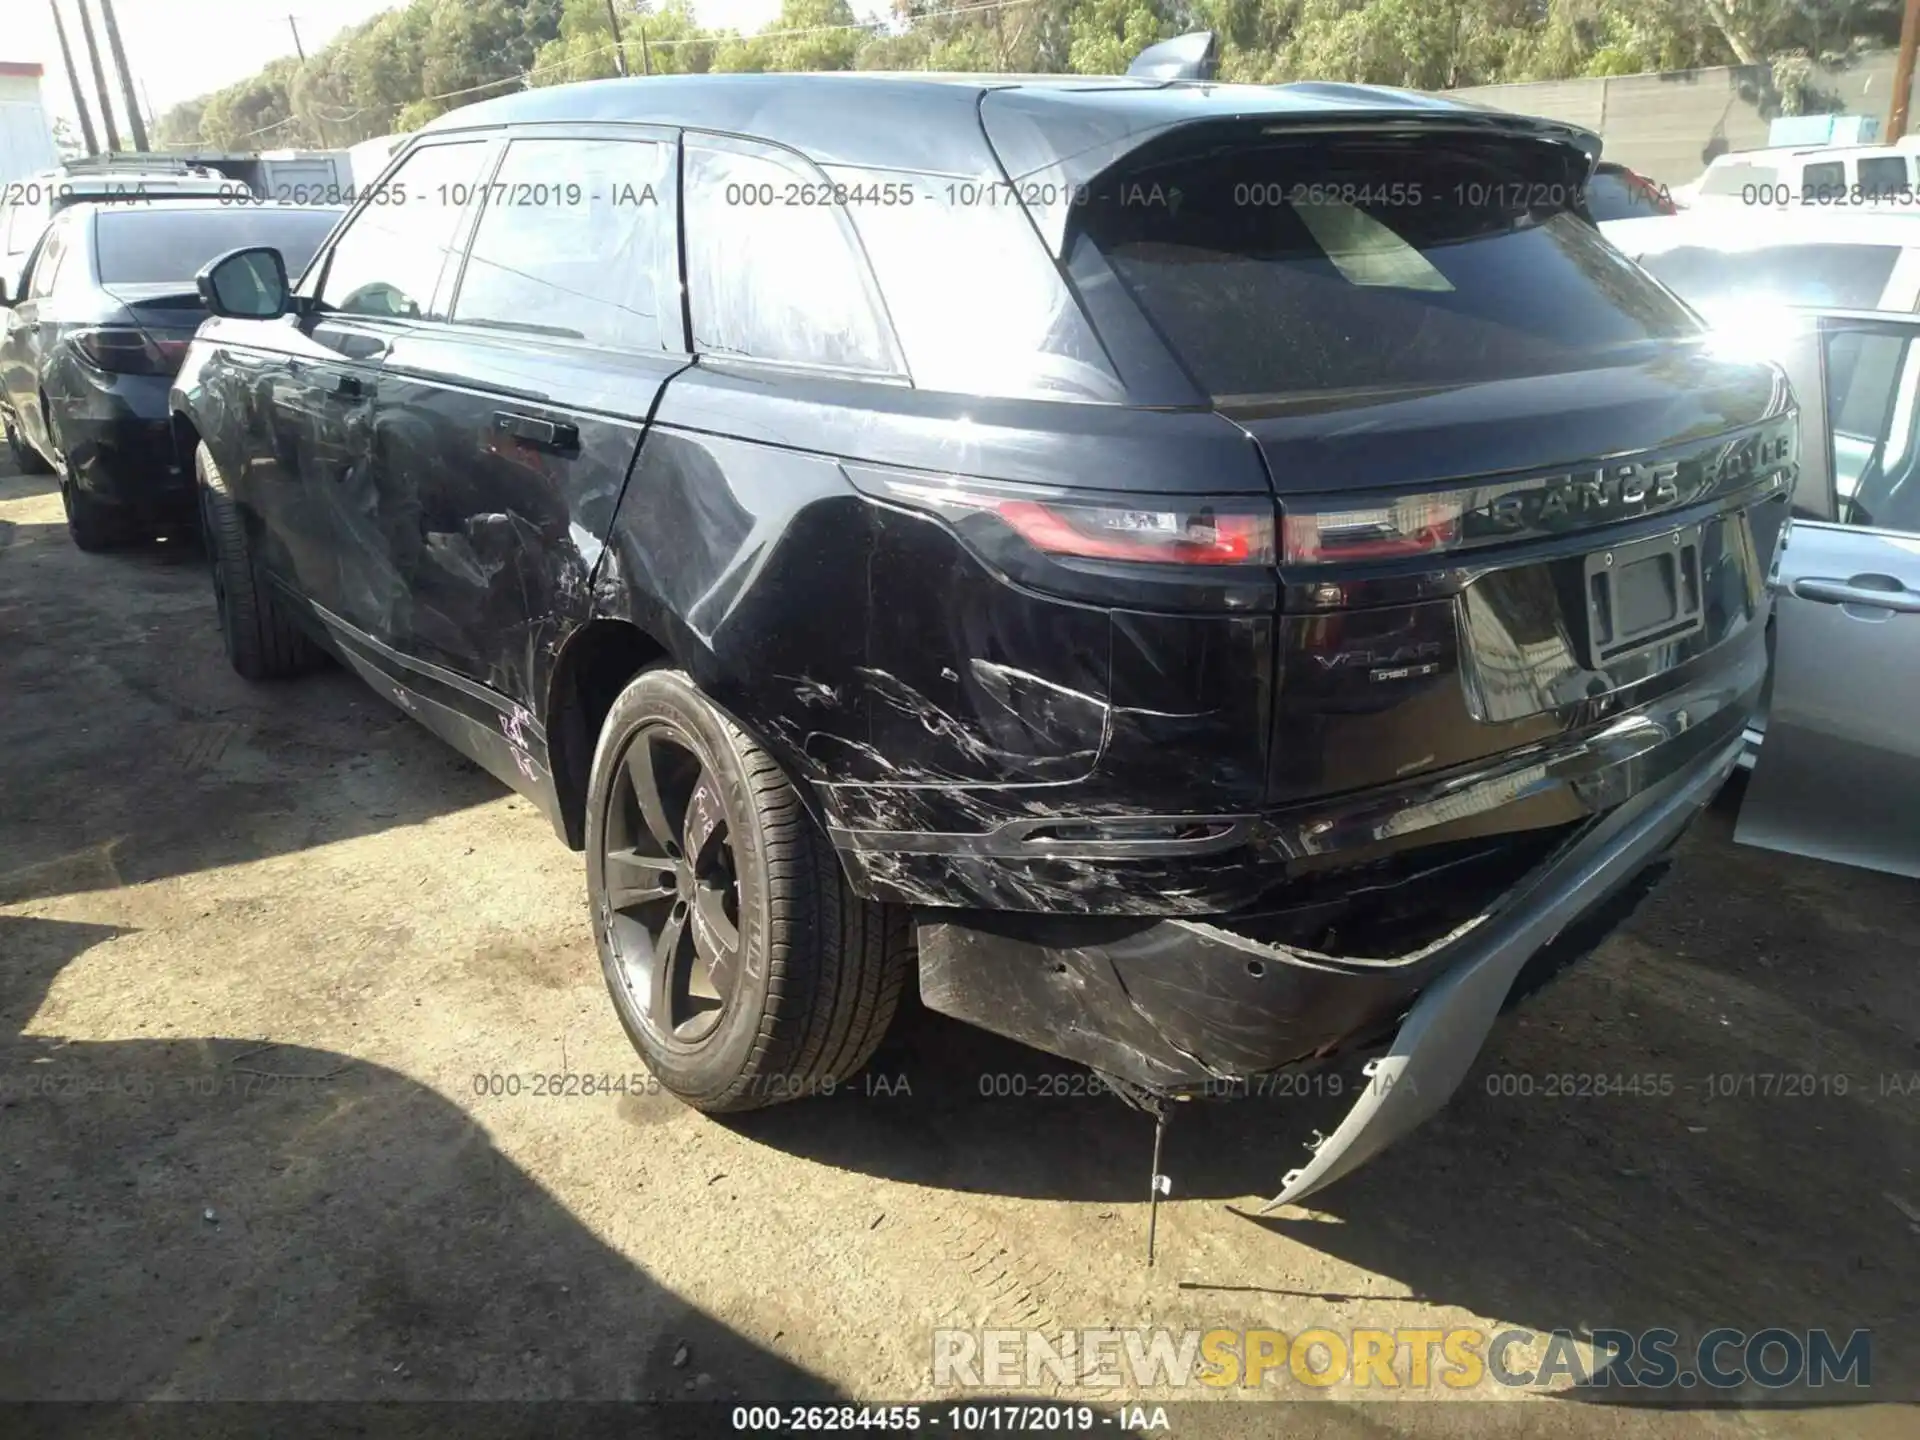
404,67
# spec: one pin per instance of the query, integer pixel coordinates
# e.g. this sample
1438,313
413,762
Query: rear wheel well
594,668
186,438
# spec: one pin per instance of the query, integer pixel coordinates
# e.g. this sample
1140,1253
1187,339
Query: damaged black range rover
1215,577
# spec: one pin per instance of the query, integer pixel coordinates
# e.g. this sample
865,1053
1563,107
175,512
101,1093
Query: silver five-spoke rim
672,888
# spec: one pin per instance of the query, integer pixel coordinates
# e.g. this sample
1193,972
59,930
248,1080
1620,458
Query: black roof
1074,125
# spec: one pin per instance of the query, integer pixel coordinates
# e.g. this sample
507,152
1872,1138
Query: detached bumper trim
1443,1033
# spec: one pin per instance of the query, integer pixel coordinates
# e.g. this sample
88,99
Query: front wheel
743,967
263,641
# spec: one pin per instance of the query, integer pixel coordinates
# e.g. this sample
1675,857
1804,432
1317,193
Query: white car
1807,178
1725,263
1832,298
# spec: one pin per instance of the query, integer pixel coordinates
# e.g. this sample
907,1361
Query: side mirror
249,284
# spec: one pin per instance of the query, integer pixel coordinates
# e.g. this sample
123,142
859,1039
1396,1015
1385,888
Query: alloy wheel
672,890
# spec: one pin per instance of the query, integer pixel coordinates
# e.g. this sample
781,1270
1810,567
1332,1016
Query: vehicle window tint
772,272
388,260
976,301
577,240
1310,266
1885,175
1850,277
1826,180
1873,398
152,246
46,267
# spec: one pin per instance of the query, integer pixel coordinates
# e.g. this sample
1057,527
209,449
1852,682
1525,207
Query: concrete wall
1668,126
26,144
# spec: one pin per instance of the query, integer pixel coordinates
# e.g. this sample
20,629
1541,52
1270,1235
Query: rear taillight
128,350
1383,530
1155,531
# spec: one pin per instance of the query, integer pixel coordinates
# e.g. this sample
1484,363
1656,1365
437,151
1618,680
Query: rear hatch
147,258
166,314
1515,482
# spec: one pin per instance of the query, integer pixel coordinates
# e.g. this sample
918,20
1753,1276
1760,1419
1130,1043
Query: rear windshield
149,247
1849,277
1371,263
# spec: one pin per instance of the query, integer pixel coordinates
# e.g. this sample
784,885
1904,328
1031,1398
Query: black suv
1215,577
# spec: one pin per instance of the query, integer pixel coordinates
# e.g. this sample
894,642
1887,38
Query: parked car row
90,344
1194,637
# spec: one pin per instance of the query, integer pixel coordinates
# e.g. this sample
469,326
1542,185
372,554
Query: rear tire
30,460
263,641
93,526
743,966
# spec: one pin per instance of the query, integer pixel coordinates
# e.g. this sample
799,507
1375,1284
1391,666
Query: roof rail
135,161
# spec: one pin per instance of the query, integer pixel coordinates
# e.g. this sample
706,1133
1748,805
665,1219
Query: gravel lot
257,943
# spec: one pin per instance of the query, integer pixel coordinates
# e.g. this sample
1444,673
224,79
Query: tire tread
833,989
264,642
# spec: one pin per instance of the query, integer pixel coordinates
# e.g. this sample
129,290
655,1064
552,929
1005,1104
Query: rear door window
577,241
1824,182
1844,277
774,268
388,260
46,266
1306,267
1882,175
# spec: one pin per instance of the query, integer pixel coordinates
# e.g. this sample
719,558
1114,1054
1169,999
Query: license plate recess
1643,594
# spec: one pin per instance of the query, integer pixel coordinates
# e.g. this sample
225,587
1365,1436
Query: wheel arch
597,662
186,434
595,665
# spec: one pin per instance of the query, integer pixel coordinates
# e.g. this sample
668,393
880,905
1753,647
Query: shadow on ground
350,1235
135,753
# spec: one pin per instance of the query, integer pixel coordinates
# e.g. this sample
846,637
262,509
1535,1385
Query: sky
178,49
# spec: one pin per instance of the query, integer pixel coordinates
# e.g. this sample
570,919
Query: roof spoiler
1185,57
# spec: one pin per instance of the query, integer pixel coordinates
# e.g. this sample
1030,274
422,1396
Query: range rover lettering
1200,579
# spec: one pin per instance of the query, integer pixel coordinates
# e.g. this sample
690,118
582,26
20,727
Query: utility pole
134,122
620,54
73,79
1903,71
646,55
99,79
298,49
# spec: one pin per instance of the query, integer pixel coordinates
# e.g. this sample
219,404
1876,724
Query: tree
66,144
403,67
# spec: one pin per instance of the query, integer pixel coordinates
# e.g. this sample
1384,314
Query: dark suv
1215,577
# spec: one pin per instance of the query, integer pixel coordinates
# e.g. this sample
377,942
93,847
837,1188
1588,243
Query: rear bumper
1040,853
1442,1034
1178,1005
118,445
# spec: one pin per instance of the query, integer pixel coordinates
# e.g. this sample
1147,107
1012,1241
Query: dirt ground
257,943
